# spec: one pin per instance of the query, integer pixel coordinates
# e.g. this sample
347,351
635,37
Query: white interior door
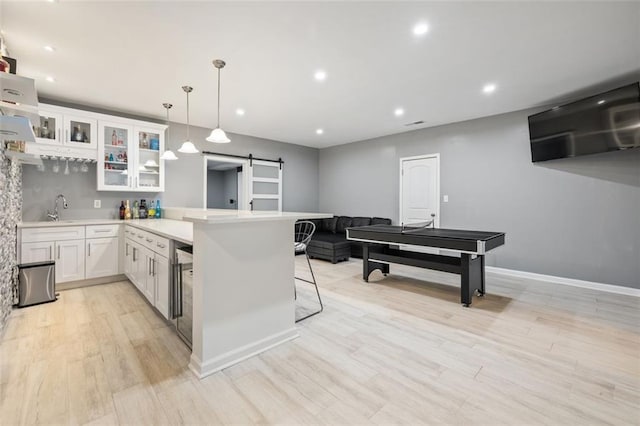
265,186
420,191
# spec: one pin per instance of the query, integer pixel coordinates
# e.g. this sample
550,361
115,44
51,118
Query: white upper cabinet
115,159
149,174
50,129
80,131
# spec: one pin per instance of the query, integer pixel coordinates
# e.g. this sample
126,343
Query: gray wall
215,189
230,190
184,178
577,218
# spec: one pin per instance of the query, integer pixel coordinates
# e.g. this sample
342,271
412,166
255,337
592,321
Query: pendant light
168,154
218,135
187,146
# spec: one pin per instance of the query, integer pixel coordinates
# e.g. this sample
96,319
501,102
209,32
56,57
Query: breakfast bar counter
243,285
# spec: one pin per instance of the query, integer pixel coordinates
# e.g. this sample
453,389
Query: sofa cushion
329,237
329,225
380,221
360,221
343,223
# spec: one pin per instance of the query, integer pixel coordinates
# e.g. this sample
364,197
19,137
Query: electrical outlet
445,198
97,204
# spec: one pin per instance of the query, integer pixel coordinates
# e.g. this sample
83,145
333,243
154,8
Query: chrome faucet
55,216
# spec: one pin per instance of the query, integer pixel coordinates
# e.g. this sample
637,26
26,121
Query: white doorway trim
400,198
243,200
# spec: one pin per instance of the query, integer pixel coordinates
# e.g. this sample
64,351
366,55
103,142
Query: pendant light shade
187,146
168,154
218,135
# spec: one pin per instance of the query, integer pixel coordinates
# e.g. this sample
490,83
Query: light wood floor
396,350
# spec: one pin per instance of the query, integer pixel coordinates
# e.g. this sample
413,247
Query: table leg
471,277
482,280
365,262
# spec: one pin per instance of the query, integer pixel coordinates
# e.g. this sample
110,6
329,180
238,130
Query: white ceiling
132,57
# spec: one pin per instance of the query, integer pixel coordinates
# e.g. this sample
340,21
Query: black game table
378,252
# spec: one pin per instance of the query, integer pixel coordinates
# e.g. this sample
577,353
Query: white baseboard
565,281
203,369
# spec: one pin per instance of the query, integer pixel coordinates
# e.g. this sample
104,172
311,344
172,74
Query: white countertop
239,216
173,229
73,222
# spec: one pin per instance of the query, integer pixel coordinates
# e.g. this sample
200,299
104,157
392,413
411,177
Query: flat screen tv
606,122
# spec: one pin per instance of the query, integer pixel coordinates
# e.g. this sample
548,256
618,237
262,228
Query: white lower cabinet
148,270
102,257
70,260
36,252
77,258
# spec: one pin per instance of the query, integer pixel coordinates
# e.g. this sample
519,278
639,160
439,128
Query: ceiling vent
415,123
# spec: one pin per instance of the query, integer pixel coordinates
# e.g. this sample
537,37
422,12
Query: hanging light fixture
168,154
218,135
187,146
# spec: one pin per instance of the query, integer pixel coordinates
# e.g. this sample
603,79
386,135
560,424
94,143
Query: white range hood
18,114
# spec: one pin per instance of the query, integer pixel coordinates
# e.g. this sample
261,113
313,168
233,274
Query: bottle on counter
143,209
122,210
158,215
127,210
152,210
136,211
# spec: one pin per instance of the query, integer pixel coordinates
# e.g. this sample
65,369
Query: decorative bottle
136,211
152,210
77,134
143,209
127,211
158,215
122,210
114,138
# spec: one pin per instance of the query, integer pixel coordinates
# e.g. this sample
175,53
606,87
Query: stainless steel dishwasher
183,294
36,283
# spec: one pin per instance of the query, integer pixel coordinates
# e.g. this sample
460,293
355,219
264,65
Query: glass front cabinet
129,157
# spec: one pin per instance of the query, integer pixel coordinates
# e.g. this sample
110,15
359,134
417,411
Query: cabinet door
49,129
81,132
70,260
148,146
137,265
36,252
115,163
102,257
149,283
128,258
162,274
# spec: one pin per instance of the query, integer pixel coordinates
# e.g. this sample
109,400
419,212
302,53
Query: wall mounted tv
606,122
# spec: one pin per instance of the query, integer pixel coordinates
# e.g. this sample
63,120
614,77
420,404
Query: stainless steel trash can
36,283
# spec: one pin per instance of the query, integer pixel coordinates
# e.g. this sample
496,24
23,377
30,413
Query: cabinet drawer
102,231
52,233
161,246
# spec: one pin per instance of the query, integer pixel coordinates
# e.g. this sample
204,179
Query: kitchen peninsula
243,285
243,271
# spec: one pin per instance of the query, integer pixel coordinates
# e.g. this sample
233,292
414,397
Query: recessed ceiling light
420,29
50,79
239,111
601,101
319,131
398,112
489,88
49,48
320,75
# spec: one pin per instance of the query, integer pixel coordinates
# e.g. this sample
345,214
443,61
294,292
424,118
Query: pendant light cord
218,98
188,125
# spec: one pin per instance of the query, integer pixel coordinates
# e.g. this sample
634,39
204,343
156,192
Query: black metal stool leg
317,290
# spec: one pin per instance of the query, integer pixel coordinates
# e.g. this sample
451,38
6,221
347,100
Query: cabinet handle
50,252
140,236
58,252
149,240
66,135
134,254
58,135
98,231
153,266
161,245
149,267
89,245
126,249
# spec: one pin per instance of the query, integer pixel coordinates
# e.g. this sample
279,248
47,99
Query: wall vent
415,123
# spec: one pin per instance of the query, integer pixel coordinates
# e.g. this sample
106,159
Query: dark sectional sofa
330,242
